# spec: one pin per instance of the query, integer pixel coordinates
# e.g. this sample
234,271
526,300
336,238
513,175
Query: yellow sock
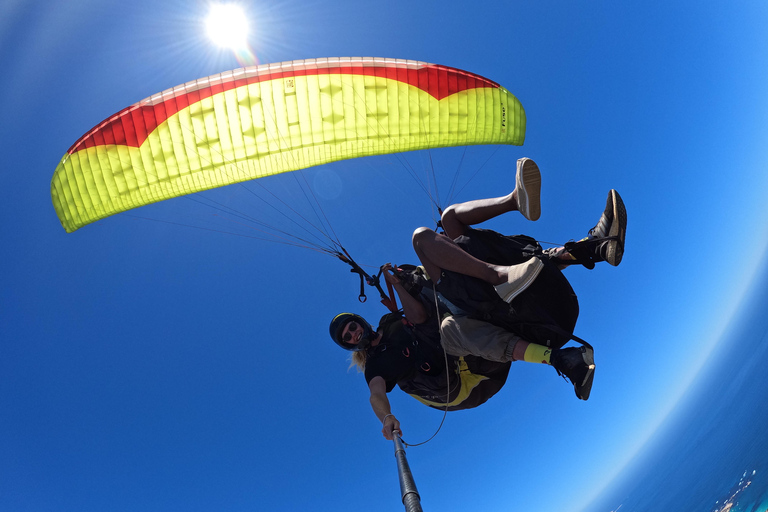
537,354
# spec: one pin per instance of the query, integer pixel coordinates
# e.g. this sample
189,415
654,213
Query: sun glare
227,26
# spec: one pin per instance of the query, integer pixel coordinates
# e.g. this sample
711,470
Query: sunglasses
351,326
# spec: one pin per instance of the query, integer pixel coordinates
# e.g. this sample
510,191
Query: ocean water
748,494
712,453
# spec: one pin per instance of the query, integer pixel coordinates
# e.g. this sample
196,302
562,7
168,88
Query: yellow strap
469,381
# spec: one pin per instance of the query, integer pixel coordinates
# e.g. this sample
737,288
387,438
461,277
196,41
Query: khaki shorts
463,336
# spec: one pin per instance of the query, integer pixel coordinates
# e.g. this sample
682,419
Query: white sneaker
528,186
519,278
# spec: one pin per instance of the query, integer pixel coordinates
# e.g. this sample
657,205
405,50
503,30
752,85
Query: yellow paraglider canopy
254,122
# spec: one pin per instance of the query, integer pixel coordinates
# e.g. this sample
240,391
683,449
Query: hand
390,424
389,276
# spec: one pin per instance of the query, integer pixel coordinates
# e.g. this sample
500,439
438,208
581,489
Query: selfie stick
411,498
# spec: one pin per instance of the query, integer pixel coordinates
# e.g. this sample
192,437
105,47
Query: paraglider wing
254,122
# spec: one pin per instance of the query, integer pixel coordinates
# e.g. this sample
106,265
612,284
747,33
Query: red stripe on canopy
132,125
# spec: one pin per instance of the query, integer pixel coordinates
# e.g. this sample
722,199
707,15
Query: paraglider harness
545,313
480,301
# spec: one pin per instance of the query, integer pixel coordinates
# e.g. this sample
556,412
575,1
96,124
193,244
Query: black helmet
337,326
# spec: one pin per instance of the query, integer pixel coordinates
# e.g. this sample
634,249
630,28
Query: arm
380,406
412,308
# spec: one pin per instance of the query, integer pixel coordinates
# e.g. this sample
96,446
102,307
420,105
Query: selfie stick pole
411,498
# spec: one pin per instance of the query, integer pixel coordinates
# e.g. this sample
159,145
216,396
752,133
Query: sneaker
578,364
528,186
613,225
519,278
605,241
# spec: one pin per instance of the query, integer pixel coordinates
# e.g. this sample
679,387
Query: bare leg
518,353
458,217
438,252
524,198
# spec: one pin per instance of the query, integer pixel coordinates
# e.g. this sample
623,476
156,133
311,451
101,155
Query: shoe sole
585,389
528,186
615,251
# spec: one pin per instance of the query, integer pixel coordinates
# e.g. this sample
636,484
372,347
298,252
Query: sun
227,26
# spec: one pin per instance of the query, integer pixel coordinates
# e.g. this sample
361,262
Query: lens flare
227,26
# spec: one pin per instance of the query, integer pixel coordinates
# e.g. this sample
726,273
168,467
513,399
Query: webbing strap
390,302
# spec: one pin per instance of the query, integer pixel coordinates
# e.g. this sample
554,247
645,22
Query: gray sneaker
578,364
612,225
605,241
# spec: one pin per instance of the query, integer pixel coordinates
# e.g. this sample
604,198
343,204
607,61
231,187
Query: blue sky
146,366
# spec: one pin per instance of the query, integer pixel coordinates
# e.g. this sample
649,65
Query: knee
451,222
421,235
449,215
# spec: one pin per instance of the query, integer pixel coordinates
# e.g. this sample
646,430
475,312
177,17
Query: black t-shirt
411,357
404,351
